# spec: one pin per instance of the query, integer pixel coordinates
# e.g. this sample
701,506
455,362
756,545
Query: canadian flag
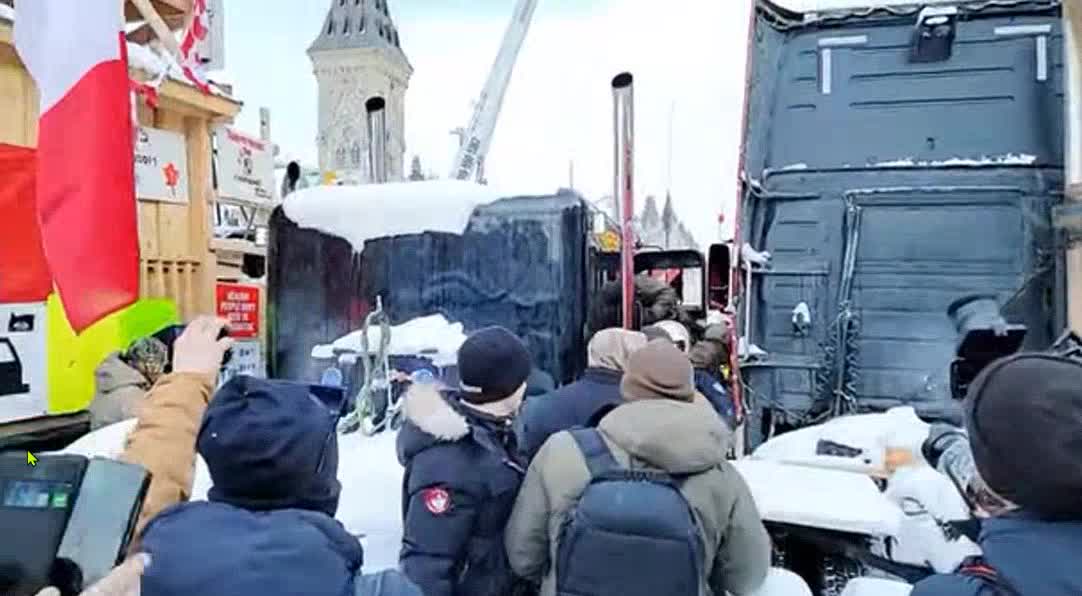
77,55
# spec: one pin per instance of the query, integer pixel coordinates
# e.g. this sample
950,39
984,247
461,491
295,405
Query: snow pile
782,582
1010,159
433,337
365,212
819,498
370,506
155,65
371,501
928,498
898,428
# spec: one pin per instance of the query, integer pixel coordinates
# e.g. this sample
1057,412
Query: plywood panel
18,105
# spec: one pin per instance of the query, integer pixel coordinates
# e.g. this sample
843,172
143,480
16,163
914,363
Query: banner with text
239,304
245,167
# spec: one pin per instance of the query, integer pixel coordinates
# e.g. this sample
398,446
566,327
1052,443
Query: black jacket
461,478
567,407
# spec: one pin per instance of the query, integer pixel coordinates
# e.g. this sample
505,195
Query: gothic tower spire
357,55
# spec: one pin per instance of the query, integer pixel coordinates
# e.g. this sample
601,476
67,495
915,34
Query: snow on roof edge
365,212
150,62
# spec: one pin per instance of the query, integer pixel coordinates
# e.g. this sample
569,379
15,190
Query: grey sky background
687,57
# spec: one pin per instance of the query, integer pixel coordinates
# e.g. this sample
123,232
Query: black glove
940,438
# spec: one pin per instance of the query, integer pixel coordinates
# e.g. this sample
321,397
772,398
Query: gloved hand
122,581
940,438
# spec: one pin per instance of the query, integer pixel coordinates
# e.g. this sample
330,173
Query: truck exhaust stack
377,151
623,199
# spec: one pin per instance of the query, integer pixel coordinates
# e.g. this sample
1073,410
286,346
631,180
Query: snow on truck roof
369,211
803,6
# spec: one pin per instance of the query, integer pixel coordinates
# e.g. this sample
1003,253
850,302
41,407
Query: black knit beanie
1024,418
492,364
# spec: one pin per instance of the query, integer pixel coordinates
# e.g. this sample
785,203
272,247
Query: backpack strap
977,567
599,459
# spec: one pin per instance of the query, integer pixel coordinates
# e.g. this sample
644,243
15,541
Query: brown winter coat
680,438
163,440
119,391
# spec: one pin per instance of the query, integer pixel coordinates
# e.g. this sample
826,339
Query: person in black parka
268,527
576,404
1023,417
462,470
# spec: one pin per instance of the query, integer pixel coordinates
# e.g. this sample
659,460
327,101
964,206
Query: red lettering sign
239,304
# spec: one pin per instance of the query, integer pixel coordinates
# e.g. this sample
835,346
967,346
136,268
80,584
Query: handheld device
68,520
169,335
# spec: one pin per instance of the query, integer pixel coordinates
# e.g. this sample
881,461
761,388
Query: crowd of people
617,483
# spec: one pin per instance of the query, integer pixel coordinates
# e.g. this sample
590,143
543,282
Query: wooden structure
178,262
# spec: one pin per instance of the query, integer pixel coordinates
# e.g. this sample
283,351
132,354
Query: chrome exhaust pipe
377,130
623,179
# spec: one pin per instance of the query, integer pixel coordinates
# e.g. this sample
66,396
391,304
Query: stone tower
356,56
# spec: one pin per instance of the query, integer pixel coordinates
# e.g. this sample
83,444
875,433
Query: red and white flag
77,55
190,60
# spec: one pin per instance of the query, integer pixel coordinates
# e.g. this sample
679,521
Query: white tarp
161,166
24,390
245,167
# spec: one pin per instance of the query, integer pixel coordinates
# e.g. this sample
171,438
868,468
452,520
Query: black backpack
631,533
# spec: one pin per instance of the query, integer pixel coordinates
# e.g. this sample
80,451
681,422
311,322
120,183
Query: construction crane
475,139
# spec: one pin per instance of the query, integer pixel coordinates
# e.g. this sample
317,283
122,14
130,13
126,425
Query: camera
984,336
169,335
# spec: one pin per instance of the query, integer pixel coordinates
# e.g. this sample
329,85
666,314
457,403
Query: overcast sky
687,57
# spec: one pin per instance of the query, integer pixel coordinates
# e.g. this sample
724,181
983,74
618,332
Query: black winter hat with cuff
492,364
1023,414
270,445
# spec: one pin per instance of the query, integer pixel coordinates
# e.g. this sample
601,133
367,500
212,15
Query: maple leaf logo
172,177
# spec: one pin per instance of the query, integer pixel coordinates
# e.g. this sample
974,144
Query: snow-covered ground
787,485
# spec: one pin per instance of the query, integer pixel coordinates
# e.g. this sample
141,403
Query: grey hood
678,437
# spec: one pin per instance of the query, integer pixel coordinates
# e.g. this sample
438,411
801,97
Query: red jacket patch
437,500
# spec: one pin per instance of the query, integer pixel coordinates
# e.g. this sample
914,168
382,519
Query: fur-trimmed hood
434,418
429,410
430,419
